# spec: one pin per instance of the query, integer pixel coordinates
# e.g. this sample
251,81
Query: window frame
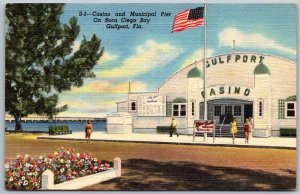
179,109
135,102
219,106
229,108
240,111
286,109
193,109
260,108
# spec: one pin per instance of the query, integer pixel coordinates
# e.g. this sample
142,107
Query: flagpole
204,70
204,64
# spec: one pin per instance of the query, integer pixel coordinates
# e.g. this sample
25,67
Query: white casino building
239,85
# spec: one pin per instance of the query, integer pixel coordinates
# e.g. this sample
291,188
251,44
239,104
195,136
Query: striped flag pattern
188,19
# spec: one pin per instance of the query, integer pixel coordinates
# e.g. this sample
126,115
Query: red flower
60,160
82,156
8,174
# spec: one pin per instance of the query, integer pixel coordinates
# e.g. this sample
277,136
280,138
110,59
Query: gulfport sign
237,58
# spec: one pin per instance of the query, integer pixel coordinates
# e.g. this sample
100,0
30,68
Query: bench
163,129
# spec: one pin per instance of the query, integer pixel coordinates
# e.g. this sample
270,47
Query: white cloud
98,98
147,56
82,107
196,56
251,40
107,57
106,87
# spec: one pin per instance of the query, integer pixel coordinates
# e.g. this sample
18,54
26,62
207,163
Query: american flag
188,19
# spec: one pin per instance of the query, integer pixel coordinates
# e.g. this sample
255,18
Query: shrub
288,132
58,129
163,129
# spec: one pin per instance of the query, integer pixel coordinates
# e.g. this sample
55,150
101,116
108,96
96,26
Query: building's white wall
119,123
149,124
176,86
262,124
122,106
281,84
232,73
283,79
193,88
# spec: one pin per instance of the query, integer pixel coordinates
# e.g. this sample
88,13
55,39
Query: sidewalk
271,142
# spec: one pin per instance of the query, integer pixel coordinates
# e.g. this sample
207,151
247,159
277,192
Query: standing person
233,128
247,130
173,128
88,131
251,127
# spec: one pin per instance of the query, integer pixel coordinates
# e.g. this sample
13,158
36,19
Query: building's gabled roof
261,69
195,72
209,58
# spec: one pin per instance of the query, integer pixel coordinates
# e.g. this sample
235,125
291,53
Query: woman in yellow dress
233,128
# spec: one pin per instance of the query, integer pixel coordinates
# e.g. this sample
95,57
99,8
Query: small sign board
204,126
152,105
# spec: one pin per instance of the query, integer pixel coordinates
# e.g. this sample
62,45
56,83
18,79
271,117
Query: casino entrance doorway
223,110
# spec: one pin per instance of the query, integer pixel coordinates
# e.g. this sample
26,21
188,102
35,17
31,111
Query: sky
147,56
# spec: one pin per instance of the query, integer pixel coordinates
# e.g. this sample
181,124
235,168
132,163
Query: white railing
48,179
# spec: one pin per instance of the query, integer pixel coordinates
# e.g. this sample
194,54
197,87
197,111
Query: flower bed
24,173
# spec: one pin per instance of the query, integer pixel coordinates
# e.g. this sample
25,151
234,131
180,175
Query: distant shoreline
44,126
57,121
13,131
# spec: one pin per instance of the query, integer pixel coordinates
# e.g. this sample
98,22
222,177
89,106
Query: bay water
75,126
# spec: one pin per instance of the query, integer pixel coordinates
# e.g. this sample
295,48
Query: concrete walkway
271,142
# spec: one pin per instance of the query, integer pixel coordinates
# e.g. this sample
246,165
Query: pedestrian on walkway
247,130
173,128
251,127
88,131
233,128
